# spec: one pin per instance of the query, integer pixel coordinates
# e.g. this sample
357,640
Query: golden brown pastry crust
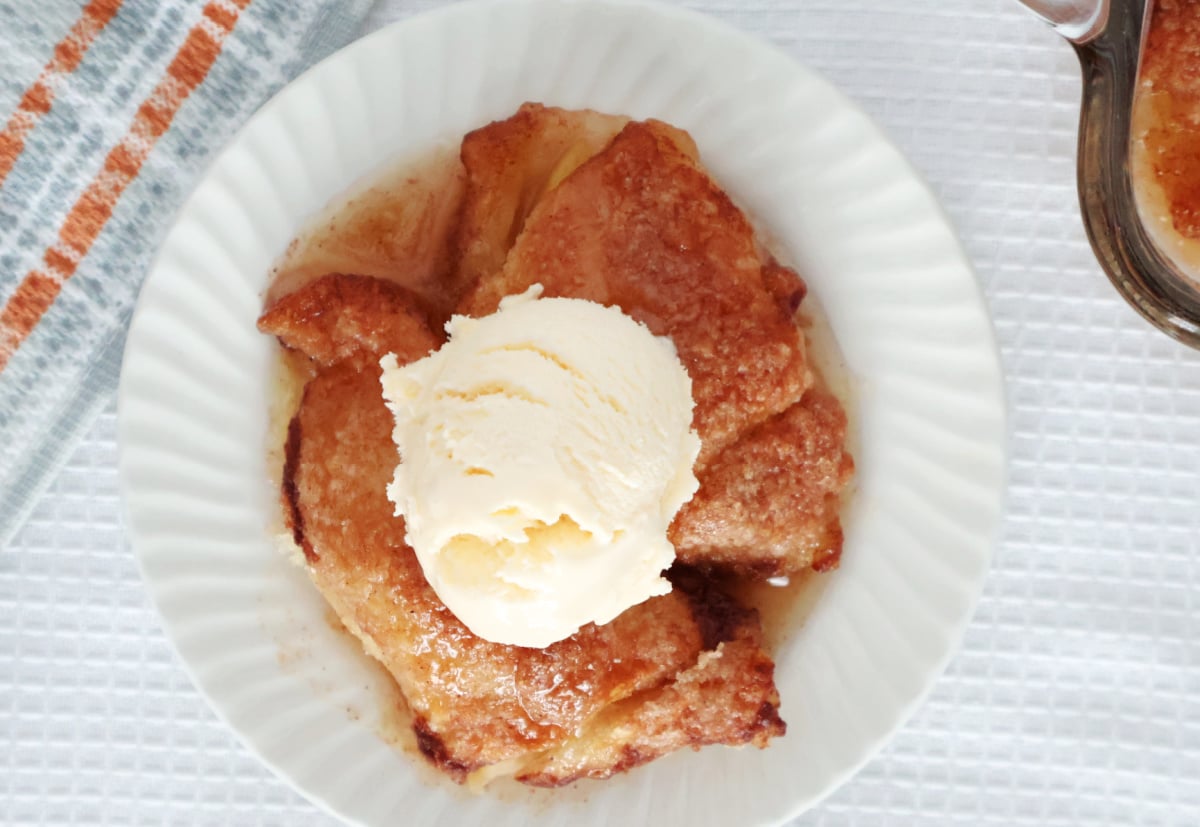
727,697
770,501
642,227
633,222
348,318
509,166
475,702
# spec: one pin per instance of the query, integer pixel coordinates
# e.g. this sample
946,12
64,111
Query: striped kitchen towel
110,110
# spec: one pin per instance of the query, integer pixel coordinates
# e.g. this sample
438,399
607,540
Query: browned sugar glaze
1170,82
629,220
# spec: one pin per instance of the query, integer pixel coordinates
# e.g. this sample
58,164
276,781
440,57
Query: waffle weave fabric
1076,696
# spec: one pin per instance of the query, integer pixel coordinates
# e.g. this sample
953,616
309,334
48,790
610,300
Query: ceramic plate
859,224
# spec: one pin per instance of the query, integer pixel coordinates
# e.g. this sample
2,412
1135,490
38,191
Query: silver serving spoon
1107,36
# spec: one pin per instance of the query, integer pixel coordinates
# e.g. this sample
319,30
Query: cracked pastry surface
621,213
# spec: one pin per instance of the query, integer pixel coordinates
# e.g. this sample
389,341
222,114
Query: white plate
866,234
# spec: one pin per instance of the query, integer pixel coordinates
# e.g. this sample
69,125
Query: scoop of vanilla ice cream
544,452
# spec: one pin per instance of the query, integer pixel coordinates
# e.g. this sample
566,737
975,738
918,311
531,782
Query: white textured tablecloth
1076,696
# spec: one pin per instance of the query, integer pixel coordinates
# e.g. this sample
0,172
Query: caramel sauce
394,718
393,225
1165,145
397,225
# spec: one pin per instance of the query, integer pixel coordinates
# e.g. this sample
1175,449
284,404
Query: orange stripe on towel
95,206
39,97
